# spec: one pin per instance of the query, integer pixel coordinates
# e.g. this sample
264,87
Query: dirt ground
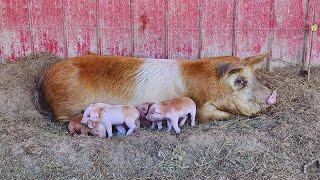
281,143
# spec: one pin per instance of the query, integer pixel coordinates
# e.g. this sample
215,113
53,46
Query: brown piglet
75,126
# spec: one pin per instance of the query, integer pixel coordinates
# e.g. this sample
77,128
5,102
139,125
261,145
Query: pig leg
84,130
209,111
137,123
71,127
169,123
108,127
131,125
183,121
193,118
121,130
153,125
101,131
175,122
159,124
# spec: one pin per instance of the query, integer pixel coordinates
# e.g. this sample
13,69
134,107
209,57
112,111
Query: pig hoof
110,136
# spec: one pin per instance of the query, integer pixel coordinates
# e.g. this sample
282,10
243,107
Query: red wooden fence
161,28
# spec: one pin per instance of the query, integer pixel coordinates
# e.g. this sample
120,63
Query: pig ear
255,61
145,107
157,110
227,68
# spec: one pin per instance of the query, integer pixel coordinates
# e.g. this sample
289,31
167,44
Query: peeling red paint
144,20
114,23
161,28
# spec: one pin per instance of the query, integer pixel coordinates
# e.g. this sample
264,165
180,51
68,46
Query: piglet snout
91,124
272,98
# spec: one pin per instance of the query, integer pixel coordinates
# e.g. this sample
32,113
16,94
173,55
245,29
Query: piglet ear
255,61
157,109
145,108
227,68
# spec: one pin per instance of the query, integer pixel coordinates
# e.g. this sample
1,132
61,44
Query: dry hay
281,143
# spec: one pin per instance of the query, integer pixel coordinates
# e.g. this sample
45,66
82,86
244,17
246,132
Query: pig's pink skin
86,114
156,123
143,109
100,131
172,111
87,111
159,123
119,115
92,111
273,98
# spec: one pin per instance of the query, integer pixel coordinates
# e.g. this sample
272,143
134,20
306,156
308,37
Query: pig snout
272,98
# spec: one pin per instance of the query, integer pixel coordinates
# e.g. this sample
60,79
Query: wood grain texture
148,27
114,32
81,23
15,38
216,27
183,28
47,26
161,28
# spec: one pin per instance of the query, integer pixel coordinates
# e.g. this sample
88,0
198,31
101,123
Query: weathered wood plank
252,25
80,21
114,32
15,38
47,26
148,27
289,30
217,24
183,29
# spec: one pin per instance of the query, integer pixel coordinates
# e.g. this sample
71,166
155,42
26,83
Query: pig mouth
254,106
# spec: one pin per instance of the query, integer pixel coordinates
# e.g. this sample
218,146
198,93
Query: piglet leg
183,121
175,125
138,124
193,118
84,131
71,127
153,125
108,127
121,130
159,124
131,125
169,123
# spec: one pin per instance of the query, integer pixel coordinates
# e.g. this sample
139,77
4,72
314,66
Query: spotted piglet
143,109
92,113
172,111
118,115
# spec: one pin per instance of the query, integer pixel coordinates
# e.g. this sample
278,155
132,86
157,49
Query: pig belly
158,84
116,117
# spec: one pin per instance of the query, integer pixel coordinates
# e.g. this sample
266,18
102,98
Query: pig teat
272,98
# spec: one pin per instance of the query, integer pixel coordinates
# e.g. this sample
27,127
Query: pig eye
88,115
241,82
